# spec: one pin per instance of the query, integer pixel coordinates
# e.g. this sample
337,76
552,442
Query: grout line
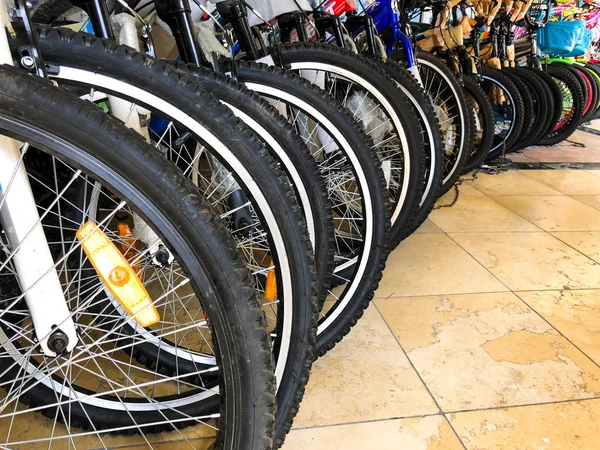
440,410
569,245
419,375
440,294
534,290
542,230
478,262
589,130
560,194
358,422
572,196
445,294
558,331
539,230
524,405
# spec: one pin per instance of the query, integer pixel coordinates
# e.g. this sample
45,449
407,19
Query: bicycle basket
560,38
582,46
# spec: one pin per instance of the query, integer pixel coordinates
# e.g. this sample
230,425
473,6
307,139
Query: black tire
571,87
592,89
270,121
154,79
596,69
529,115
430,135
554,100
81,135
366,75
269,82
441,80
542,111
484,127
510,105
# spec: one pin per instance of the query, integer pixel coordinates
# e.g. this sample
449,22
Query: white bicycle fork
22,226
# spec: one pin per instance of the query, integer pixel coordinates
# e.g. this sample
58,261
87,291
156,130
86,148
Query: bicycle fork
21,223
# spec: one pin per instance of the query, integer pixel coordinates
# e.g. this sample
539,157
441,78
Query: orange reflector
127,241
271,285
122,281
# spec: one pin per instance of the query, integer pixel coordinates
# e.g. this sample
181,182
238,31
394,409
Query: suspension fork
21,223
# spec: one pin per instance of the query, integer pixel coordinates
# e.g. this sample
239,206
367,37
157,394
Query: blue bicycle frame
386,17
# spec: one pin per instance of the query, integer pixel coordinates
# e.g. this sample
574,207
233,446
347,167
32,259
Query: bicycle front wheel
71,149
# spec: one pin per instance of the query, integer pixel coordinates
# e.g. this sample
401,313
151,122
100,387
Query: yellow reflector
117,274
271,285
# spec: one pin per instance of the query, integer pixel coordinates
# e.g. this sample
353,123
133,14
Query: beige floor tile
430,264
590,140
473,213
576,314
428,227
560,426
594,172
568,153
554,213
594,124
587,242
569,182
427,433
591,200
488,350
511,182
365,377
531,261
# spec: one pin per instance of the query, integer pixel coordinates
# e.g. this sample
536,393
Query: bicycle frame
386,18
21,222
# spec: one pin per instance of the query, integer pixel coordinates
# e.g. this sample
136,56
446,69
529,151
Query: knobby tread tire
431,174
528,104
554,100
60,116
252,72
123,63
252,104
480,152
504,83
544,110
562,72
594,94
467,133
337,57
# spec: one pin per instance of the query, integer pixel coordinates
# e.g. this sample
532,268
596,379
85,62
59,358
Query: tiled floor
484,333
